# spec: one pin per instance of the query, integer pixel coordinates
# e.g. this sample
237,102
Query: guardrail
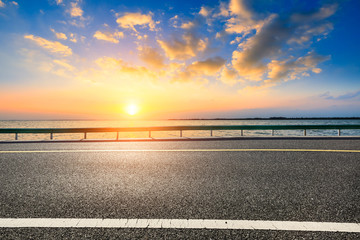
52,131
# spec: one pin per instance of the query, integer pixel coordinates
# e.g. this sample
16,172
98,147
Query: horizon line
194,119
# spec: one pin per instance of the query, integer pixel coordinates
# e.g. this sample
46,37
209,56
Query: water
218,133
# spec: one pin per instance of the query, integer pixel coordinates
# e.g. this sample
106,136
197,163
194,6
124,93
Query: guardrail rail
212,128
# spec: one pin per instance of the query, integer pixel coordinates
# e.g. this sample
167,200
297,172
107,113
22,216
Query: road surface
264,180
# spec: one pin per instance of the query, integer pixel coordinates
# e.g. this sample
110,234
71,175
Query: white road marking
180,150
177,223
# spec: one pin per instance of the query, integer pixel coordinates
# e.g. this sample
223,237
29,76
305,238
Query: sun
132,109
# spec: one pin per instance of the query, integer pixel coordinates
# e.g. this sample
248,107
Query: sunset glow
178,59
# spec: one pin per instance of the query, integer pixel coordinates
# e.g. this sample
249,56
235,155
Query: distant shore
270,118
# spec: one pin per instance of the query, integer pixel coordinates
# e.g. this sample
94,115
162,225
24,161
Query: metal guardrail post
272,132
51,136
242,132
211,133
180,133
339,133
16,136
84,135
149,134
117,136
304,132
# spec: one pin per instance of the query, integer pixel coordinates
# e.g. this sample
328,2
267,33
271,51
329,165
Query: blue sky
236,58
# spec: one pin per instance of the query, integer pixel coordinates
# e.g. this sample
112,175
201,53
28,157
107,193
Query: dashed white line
178,223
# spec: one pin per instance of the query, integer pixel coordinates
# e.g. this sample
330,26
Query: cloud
280,69
140,37
205,11
312,59
58,2
152,57
130,20
200,69
174,21
263,40
246,67
239,26
78,22
292,69
110,37
323,13
2,4
306,33
72,38
51,46
346,96
257,56
120,70
59,35
248,61
236,40
244,20
46,65
222,36
185,48
77,14
229,76
75,10
207,67
240,8
311,24
316,70
223,10
64,64
188,25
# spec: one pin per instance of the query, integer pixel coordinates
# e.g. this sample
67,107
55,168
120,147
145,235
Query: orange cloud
64,64
239,7
51,46
130,20
107,36
152,57
199,69
188,25
292,69
75,10
248,68
189,46
117,69
229,76
208,67
205,11
59,35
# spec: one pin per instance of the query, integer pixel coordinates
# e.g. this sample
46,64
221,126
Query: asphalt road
266,185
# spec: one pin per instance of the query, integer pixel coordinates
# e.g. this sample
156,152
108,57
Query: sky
86,59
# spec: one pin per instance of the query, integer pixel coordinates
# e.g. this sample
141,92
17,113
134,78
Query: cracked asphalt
283,186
